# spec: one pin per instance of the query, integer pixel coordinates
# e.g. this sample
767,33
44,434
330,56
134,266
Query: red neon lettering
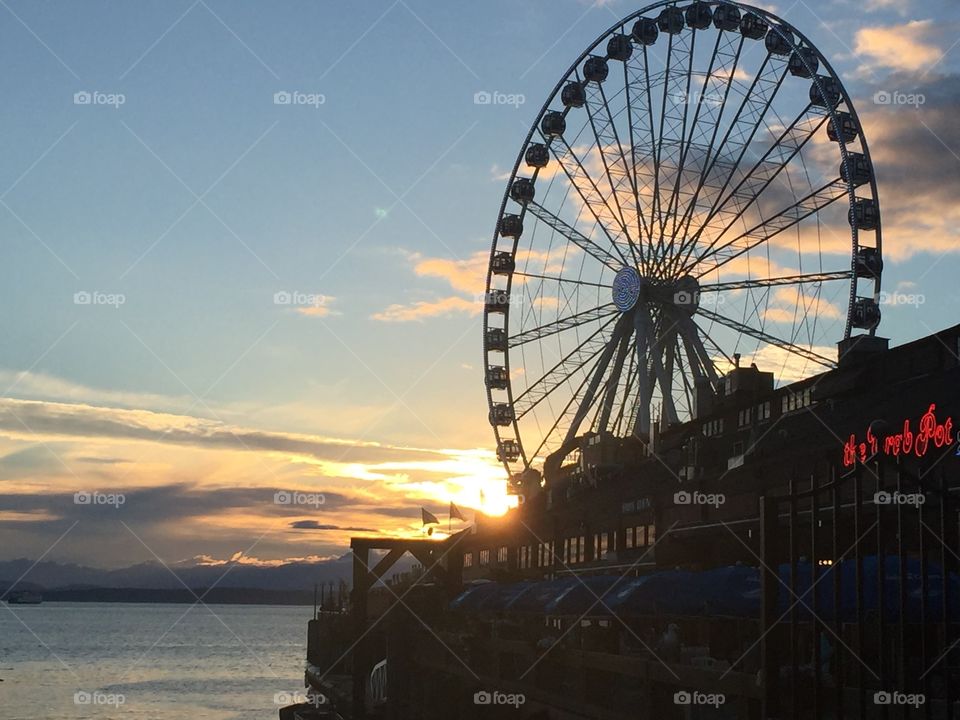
906,442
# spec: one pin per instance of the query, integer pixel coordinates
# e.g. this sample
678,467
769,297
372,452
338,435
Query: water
152,662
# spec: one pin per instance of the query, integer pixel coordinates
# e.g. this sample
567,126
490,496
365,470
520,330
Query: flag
428,518
455,512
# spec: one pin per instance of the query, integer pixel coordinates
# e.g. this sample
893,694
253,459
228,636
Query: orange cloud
424,309
898,47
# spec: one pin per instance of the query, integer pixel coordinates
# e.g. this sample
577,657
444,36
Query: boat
24,597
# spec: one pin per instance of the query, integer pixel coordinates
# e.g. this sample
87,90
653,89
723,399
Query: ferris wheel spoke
743,128
712,102
769,339
643,134
685,137
594,200
565,323
614,262
560,373
671,127
614,160
756,181
632,107
783,220
559,279
808,278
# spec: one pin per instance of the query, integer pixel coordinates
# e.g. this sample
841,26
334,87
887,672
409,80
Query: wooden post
769,647
361,556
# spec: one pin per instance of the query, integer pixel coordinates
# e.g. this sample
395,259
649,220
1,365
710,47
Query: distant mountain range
153,582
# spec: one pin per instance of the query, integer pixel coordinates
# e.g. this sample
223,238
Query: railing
861,614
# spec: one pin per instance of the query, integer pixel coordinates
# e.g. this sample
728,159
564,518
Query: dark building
792,552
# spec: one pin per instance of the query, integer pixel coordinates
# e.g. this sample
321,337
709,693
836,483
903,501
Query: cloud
424,309
467,276
314,525
321,307
908,47
916,154
33,420
35,385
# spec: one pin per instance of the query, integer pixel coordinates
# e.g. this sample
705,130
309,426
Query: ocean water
151,662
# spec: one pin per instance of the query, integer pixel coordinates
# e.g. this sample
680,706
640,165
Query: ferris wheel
695,191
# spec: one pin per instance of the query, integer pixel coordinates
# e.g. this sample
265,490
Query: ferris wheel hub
626,288
630,287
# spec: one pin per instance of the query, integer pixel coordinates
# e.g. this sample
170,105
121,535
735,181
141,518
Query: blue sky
199,199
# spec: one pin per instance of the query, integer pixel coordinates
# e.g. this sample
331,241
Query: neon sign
929,433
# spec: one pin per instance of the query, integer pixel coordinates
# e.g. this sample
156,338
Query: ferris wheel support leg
670,340
613,384
641,425
662,377
697,352
601,369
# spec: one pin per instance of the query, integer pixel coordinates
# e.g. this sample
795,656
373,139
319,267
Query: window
468,559
604,545
484,558
651,534
797,400
763,411
745,417
522,558
582,554
713,427
641,537
502,554
629,538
